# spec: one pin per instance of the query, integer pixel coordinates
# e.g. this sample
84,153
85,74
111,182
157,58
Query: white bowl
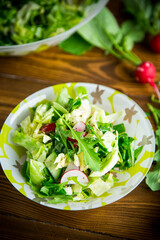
136,123
37,46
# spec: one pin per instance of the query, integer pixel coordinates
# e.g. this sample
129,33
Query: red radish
81,177
145,73
155,43
80,127
84,134
50,127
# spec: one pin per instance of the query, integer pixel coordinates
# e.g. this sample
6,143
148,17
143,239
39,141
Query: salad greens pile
73,148
29,21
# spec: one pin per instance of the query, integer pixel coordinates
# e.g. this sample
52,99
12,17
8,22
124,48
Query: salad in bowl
77,154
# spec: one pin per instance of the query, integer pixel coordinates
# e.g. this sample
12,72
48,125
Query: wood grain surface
137,215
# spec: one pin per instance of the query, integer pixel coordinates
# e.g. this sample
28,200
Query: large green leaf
95,35
75,45
153,178
91,158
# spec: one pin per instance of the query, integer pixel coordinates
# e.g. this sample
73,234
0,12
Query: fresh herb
120,128
153,177
100,141
126,150
73,104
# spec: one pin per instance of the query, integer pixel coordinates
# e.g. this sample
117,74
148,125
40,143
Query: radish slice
81,177
80,127
71,166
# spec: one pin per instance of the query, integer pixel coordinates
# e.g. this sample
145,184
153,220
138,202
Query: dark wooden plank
55,66
26,229
135,216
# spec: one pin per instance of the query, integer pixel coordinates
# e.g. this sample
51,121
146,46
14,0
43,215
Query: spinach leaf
104,127
137,152
25,171
106,19
120,128
93,33
104,32
126,149
75,45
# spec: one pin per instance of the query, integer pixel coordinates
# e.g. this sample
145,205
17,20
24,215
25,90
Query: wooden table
136,216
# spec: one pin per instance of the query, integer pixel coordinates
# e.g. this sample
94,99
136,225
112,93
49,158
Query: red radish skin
84,134
50,127
81,177
78,127
145,73
155,43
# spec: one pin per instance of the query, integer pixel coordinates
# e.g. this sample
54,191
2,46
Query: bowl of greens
76,146
32,26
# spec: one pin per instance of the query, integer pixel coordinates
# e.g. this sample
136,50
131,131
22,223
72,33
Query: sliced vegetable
50,164
81,177
80,127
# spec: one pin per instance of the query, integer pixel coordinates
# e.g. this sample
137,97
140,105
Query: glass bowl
24,49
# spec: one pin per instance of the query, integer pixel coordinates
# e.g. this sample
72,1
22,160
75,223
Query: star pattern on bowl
145,141
97,95
18,165
130,112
